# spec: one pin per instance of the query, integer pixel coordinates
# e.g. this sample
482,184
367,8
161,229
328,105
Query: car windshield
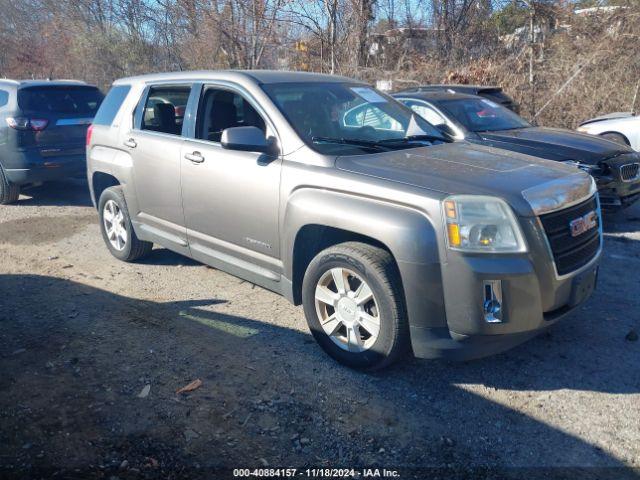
346,118
482,115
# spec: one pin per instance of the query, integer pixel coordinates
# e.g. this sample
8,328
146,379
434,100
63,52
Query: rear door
59,116
155,143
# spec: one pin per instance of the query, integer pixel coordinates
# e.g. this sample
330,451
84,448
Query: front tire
117,229
354,305
9,192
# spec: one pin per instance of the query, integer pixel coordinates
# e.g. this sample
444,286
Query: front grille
570,253
630,172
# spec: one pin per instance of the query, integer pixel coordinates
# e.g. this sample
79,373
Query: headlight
478,223
582,129
585,167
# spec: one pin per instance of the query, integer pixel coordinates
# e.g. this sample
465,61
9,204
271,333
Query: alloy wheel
347,310
114,225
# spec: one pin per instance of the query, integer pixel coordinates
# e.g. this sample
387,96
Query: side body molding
408,233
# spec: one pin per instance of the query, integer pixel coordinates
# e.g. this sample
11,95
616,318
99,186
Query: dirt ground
83,337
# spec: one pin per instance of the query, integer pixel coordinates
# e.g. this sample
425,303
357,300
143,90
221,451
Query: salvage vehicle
493,93
338,197
621,127
43,126
615,167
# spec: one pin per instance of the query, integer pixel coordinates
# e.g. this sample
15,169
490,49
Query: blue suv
43,126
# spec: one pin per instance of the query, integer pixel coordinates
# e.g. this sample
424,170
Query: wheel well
626,140
311,240
101,181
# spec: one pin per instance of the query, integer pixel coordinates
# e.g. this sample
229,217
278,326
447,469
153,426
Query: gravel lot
82,335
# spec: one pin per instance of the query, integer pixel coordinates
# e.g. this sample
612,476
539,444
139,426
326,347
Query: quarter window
4,98
164,109
368,115
220,109
426,112
111,104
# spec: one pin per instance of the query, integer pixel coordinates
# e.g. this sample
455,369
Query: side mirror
444,128
246,139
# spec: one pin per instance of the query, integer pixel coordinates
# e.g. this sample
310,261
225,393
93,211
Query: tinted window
60,99
483,115
4,98
111,104
220,109
164,109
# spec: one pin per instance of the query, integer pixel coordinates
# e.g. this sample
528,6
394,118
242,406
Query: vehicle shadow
75,362
163,256
72,192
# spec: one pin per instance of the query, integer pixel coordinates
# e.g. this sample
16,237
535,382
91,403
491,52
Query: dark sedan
615,167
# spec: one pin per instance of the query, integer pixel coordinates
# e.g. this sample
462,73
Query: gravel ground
83,338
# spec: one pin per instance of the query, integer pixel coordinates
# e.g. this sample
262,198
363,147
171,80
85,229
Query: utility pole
532,76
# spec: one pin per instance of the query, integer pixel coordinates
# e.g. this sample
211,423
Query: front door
230,197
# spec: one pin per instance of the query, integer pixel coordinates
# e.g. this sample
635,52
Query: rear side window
4,98
60,99
164,109
111,104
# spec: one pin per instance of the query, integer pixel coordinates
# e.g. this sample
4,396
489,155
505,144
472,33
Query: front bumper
533,295
470,336
615,195
617,192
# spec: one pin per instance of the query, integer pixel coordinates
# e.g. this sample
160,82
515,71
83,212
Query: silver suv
338,197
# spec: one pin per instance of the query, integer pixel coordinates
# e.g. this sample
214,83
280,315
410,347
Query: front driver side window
220,109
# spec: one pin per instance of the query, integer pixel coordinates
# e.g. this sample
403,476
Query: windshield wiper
415,138
350,141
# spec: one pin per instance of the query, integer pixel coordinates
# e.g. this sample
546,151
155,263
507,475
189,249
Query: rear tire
117,229
9,192
361,323
615,137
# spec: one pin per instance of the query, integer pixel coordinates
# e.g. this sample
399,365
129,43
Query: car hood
609,116
555,144
464,168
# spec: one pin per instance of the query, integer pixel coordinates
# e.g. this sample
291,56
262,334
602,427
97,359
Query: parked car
621,127
493,93
615,167
336,196
43,126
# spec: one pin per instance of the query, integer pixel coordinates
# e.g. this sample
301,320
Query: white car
621,127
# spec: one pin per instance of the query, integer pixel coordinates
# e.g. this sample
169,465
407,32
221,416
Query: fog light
492,305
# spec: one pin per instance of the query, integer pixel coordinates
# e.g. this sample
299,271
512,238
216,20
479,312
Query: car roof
460,87
258,76
436,95
42,83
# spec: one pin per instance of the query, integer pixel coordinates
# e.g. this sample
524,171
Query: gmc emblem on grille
582,224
